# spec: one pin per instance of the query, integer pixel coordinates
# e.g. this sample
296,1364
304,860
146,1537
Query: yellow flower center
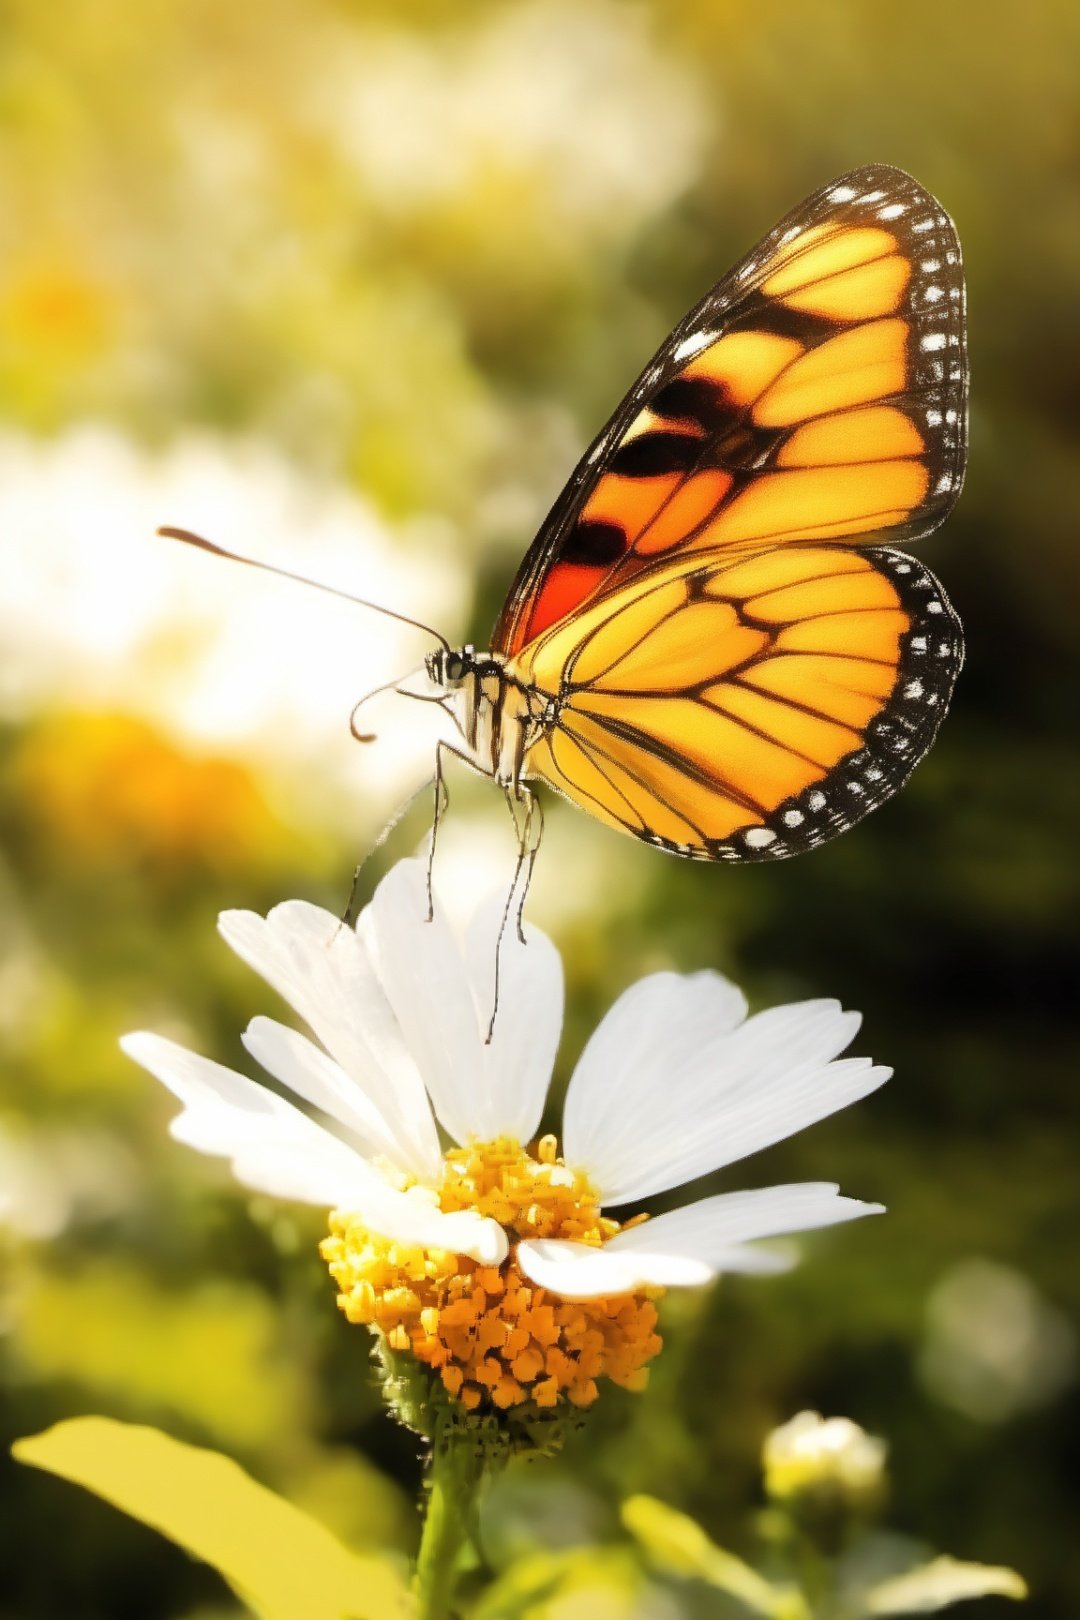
495,1338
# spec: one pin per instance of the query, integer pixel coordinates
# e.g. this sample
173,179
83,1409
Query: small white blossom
810,1454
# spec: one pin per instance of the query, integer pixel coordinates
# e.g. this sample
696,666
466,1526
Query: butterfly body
712,643
500,716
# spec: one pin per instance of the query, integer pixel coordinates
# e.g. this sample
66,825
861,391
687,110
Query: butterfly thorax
499,715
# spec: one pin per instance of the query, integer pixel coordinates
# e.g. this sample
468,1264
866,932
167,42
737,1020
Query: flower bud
823,1463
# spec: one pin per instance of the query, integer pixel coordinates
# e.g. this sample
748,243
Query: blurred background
350,286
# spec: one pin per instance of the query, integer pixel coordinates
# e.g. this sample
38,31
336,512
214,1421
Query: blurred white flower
100,612
675,1083
579,101
812,1455
51,1179
993,1345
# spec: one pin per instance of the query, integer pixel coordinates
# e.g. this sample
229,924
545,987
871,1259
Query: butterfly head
449,667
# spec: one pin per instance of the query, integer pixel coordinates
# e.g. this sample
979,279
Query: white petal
577,1271
525,1038
306,1069
443,996
276,1149
656,1027
228,1115
710,1225
422,972
323,970
646,1119
689,1246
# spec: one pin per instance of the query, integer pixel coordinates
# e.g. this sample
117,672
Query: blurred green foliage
421,250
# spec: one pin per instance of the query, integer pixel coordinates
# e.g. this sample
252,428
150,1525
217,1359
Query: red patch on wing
565,588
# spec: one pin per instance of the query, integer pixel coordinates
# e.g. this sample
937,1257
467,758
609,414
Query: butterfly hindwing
817,393
748,708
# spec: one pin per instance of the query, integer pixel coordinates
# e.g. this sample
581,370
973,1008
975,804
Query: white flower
675,1083
811,1454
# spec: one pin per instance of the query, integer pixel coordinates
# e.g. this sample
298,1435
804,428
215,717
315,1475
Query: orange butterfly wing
818,390
765,683
747,707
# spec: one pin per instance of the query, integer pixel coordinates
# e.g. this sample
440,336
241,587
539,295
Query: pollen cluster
496,1340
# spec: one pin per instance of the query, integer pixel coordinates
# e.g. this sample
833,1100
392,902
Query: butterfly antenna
197,540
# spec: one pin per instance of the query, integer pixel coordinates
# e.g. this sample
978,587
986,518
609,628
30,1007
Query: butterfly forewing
740,669
817,392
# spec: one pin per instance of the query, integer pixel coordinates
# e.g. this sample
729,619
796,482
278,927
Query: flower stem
455,1477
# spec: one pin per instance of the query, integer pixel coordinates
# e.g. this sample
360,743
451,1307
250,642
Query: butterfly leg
348,916
498,956
442,804
528,818
528,815
536,838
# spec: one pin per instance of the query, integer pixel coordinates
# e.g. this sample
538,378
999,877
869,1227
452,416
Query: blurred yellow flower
106,787
54,308
137,1341
57,321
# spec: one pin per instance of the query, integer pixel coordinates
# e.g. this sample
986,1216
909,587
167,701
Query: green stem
454,1480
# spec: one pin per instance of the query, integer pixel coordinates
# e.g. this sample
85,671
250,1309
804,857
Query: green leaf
678,1544
936,1585
528,1582
279,1562
583,1581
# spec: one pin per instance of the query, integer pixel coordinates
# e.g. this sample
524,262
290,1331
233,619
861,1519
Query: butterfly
713,643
